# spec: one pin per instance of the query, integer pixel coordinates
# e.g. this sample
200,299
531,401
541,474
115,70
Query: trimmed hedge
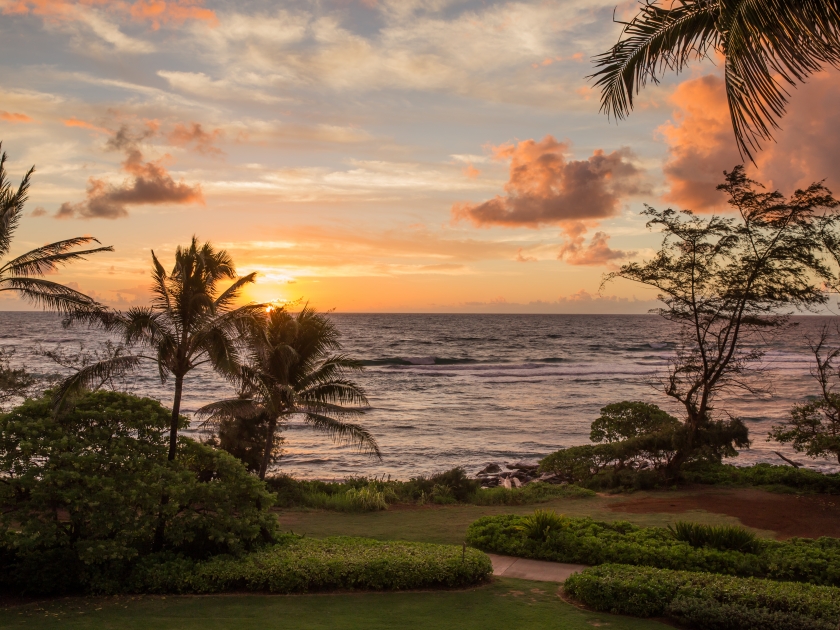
299,565
703,600
585,541
764,475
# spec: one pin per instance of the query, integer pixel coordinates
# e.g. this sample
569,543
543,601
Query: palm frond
344,433
231,408
229,295
654,41
48,258
93,375
11,203
52,296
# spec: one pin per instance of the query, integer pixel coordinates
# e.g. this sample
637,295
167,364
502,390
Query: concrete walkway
539,570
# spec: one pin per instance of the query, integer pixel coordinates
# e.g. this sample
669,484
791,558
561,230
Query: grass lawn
503,605
448,524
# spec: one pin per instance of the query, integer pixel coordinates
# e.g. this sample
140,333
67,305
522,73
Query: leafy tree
814,427
627,420
767,45
25,273
725,281
292,370
245,438
80,497
190,323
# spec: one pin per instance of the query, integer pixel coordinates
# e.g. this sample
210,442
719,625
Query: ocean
464,390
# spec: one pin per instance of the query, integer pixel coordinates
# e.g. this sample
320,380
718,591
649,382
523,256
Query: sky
368,155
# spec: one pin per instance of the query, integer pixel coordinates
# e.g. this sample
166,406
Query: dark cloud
149,183
546,188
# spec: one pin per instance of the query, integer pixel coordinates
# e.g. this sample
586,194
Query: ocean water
449,390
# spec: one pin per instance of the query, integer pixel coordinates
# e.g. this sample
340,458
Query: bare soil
788,515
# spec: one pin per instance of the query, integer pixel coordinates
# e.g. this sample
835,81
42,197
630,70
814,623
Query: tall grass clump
541,524
722,537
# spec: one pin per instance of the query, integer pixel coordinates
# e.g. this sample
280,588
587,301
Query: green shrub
299,565
723,537
763,475
367,499
88,492
706,601
585,541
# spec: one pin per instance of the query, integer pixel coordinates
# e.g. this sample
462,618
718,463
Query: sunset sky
367,155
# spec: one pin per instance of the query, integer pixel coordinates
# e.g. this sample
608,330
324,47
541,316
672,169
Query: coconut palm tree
190,323
766,45
293,369
25,274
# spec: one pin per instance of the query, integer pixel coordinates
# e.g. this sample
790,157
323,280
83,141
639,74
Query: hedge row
299,565
585,541
706,601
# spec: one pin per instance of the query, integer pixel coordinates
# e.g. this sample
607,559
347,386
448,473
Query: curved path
538,570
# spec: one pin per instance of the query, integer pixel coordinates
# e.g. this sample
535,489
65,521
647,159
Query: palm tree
25,273
189,323
293,370
766,44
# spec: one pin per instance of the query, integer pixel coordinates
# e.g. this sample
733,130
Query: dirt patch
788,515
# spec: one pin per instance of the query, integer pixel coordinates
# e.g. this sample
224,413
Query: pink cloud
15,117
701,145
547,188
153,12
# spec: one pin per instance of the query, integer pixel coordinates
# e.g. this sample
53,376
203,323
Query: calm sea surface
451,390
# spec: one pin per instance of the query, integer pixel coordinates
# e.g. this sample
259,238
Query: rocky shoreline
514,475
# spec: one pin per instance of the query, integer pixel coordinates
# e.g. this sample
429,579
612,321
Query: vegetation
447,488
765,45
25,274
191,322
706,601
814,427
299,565
768,476
710,549
502,603
293,369
82,491
725,281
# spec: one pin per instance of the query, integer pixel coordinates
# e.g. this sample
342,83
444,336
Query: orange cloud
75,122
14,117
471,171
701,144
596,253
153,12
149,184
546,188
196,137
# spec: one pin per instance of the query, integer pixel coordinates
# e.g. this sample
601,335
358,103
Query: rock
525,464
506,483
490,469
515,482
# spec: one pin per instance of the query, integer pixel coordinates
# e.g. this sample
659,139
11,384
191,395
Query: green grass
503,604
448,524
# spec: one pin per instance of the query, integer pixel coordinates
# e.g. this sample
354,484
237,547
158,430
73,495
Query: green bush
585,541
723,537
764,475
706,601
87,493
299,565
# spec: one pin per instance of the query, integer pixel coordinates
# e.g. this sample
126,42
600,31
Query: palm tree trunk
269,445
176,413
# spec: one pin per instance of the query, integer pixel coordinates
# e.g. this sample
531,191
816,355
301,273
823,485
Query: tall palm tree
293,369
767,45
189,323
25,273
